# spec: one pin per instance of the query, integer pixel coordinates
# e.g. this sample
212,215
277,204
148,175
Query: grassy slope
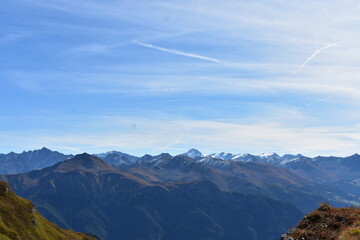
328,223
19,220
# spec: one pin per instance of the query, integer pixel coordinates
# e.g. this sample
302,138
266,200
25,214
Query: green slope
19,220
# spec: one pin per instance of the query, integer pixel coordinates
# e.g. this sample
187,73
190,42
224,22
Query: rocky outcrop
327,223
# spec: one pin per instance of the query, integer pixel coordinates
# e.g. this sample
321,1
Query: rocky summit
327,223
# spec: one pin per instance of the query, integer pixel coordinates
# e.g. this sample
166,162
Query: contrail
174,51
316,53
322,100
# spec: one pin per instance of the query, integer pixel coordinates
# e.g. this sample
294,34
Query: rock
285,237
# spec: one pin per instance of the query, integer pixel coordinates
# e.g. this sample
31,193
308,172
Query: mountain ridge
337,174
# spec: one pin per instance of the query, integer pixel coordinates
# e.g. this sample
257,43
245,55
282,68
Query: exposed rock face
4,189
284,237
327,223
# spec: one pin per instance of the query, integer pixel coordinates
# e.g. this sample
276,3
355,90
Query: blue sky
165,76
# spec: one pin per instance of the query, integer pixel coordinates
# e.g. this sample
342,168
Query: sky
152,76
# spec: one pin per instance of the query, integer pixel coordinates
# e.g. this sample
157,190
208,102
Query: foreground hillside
327,223
87,195
19,220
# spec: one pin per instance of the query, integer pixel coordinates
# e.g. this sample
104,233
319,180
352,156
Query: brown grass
328,223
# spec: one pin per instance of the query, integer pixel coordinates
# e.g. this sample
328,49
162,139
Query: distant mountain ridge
321,169
341,176
287,160
12,163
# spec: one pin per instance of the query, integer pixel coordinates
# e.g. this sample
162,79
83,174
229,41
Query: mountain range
110,194
320,168
332,179
300,180
86,194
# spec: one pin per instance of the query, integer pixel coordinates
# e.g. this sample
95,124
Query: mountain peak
84,162
270,155
105,154
193,153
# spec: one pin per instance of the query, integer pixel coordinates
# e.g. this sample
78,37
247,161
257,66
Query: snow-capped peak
222,155
269,154
193,153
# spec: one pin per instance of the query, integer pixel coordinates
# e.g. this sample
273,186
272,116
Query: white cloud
155,136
